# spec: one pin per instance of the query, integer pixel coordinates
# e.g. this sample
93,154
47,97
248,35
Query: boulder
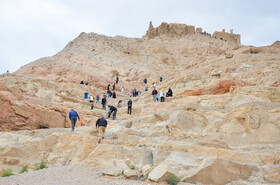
179,165
222,172
131,174
161,174
111,171
130,164
146,169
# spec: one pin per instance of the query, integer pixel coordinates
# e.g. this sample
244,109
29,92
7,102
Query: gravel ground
68,175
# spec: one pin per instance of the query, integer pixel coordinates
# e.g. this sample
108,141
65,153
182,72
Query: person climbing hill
114,95
161,95
169,93
109,93
145,81
86,96
91,102
73,115
114,86
97,99
154,93
104,102
113,110
129,106
101,125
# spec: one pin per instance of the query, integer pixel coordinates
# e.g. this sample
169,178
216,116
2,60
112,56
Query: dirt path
68,175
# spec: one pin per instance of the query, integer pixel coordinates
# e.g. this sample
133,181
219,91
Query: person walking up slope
73,115
129,106
86,96
154,93
114,110
104,102
101,125
161,95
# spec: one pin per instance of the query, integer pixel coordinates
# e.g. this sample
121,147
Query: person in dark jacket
114,95
113,110
170,93
129,106
101,125
104,102
160,79
73,115
108,87
145,81
154,93
117,80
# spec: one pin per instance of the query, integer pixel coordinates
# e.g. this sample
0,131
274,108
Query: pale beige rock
272,174
160,174
131,174
112,171
130,164
146,169
222,172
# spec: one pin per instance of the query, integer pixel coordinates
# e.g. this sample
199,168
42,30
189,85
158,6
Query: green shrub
172,180
132,168
7,172
185,180
10,90
42,165
24,168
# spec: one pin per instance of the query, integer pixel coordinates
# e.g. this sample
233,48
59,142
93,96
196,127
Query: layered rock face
221,126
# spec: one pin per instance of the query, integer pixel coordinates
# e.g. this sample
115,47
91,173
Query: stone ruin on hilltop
180,30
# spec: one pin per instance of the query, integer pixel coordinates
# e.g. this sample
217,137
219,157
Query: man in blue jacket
73,115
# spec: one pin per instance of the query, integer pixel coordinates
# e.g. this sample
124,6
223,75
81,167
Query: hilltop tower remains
230,37
180,30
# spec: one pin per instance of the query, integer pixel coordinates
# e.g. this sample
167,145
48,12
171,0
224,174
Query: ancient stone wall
199,30
180,30
171,30
228,37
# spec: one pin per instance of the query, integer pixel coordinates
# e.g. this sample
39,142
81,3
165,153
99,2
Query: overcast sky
31,29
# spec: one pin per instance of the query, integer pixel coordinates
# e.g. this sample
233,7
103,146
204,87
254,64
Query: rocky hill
222,125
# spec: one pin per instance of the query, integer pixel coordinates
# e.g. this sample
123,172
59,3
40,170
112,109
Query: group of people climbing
101,123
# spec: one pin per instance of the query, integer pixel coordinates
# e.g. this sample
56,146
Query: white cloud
32,29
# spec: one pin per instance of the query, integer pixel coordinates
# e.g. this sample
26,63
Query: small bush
24,168
7,172
185,180
172,181
10,90
41,166
132,168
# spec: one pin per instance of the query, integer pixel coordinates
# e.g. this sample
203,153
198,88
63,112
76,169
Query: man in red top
154,93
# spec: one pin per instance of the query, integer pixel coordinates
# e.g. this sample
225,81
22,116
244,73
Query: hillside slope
221,126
